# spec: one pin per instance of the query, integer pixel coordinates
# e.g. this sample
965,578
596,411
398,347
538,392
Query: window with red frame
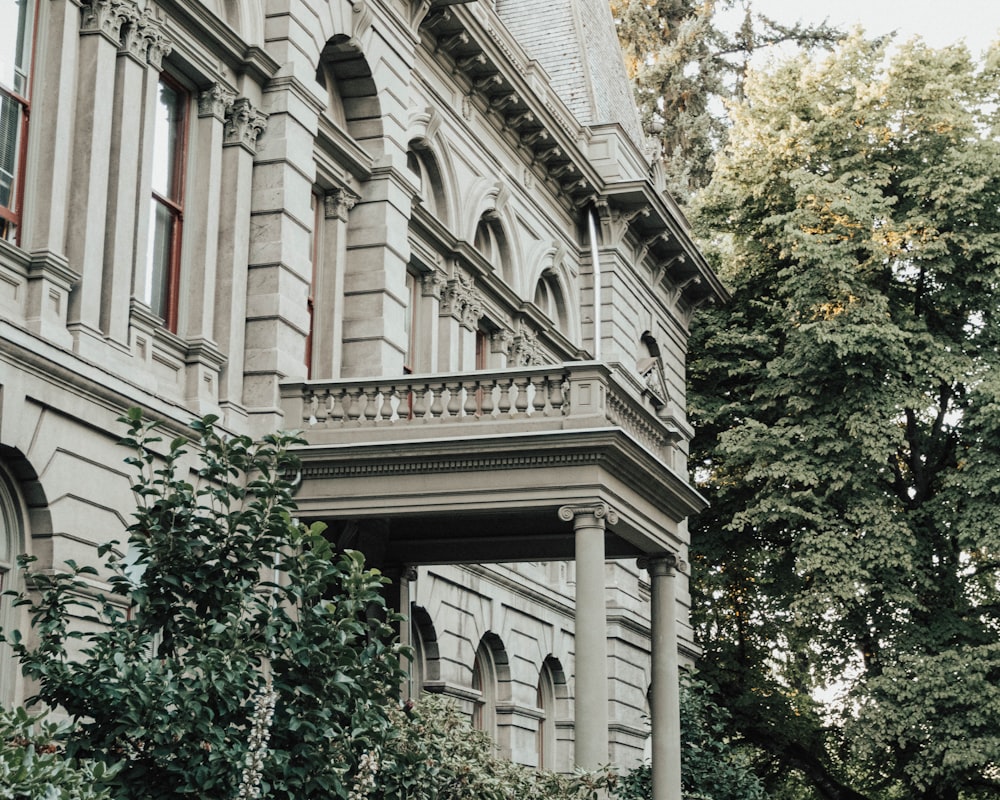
15,67
163,259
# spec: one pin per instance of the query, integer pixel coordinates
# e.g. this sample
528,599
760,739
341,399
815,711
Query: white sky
939,22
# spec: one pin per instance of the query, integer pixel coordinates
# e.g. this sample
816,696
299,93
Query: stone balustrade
556,396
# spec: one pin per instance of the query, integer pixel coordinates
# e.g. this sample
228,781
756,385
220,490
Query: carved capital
159,46
524,350
596,514
107,17
461,300
243,124
663,565
432,284
337,203
501,342
215,102
133,42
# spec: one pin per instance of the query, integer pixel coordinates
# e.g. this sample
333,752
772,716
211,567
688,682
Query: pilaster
243,125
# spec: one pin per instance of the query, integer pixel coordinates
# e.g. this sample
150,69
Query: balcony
475,467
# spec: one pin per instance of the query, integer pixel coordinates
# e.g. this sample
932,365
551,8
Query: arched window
421,162
491,242
11,539
549,298
484,681
546,701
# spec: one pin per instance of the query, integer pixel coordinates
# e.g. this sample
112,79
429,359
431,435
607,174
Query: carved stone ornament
159,46
215,101
432,284
524,350
460,300
501,342
107,17
602,513
243,124
337,203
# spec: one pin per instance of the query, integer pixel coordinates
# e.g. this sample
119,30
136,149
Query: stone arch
22,508
345,69
246,17
552,699
491,681
425,141
554,289
490,225
425,668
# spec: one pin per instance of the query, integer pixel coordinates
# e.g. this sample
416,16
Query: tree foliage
238,654
684,65
847,405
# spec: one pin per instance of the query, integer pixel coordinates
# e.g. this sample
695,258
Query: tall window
15,63
167,209
315,238
484,682
411,322
545,699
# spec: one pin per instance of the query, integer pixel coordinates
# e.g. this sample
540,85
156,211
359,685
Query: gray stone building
428,233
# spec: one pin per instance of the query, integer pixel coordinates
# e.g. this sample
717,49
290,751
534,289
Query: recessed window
167,203
15,63
10,543
549,299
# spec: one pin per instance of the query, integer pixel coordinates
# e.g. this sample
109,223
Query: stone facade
409,229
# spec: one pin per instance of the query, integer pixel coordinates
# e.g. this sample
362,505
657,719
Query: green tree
253,660
848,409
684,67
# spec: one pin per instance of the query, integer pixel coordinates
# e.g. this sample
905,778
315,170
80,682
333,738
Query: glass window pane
167,132
158,258
15,44
10,127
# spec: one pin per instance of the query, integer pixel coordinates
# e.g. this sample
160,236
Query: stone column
591,680
50,278
665,699
328,288
123,178
243,125
100,35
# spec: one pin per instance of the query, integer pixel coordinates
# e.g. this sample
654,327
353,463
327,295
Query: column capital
337,203
106,17
601,513
243,124
215,101
662,565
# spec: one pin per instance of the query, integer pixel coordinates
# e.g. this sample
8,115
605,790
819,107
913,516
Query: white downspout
596,267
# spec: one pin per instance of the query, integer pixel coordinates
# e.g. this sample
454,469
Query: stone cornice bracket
646,244
438,19
663,268
337,203
662,565
215,101
451,42
106,17
499,102
418,11
243,124
602,513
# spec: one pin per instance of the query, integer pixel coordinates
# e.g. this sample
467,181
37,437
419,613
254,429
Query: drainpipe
596,267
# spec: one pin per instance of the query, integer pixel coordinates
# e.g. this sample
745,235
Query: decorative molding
602,513
465,463
432,284
215,101
461,300
159,46
524,349
337,203
502,341
243,124
107,17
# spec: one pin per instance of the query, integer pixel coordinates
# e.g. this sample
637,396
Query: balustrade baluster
504,404
336,409
437,404
385,412
309,407
539,398
454,399
353,411
485,393
473,400
556,397
419,402
521,401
